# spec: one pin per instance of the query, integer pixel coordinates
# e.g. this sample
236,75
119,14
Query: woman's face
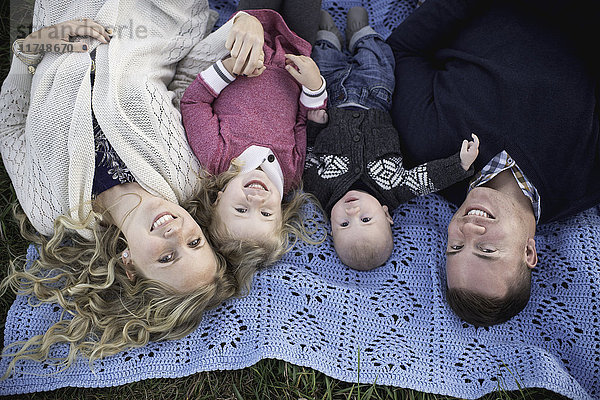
166,244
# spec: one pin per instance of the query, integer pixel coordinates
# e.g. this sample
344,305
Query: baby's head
361,230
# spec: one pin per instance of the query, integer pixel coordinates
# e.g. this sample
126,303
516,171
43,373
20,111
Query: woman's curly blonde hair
104,311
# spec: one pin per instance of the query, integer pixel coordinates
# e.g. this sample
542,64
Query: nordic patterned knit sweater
520,78
46,132
224,115
362,145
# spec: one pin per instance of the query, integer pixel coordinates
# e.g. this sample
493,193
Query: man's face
488,239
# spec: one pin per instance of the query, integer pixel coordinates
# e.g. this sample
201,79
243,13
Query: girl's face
166,244
250,206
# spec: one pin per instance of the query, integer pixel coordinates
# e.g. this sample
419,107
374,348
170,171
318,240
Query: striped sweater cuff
217,77
314,98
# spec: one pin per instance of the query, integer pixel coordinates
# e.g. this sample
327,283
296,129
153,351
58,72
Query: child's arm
437,175
201,124
312,97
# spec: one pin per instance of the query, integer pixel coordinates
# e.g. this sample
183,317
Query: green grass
268,379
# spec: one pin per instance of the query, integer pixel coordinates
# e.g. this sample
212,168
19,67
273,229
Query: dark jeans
365,78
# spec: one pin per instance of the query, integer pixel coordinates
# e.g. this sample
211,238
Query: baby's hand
318,116
304,70
469,152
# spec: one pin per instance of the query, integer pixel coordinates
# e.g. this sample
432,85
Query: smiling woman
103,173
168,246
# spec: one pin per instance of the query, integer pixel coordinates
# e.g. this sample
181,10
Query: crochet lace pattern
311,310
391,323
384,15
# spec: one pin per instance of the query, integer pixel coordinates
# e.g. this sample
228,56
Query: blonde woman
94,147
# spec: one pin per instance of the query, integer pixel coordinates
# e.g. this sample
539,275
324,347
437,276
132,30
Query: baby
354,166
250,133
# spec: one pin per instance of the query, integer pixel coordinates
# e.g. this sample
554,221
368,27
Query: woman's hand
229,64
304,70
56,38
469,152
260,66
245,43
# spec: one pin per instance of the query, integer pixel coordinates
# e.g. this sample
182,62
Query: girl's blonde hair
104,311
245,256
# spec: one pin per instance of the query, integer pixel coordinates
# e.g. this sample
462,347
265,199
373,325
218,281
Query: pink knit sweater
223,115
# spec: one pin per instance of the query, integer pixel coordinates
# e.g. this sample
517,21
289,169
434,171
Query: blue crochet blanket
392,323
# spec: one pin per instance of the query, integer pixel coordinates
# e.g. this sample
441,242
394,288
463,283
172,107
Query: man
521,76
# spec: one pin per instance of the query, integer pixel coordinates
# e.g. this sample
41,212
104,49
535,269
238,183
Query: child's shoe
357,19
326,23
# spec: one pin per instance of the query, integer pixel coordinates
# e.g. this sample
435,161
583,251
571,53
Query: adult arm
414,44
242,34
14,106
431,26
36,194
34,187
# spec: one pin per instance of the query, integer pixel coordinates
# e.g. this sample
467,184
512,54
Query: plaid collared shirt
501,162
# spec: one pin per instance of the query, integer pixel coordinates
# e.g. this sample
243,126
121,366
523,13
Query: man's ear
531,257
387,215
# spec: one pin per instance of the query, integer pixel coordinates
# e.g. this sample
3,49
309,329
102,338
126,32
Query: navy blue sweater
509,75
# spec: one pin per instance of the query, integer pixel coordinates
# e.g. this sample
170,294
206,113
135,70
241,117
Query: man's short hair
480,310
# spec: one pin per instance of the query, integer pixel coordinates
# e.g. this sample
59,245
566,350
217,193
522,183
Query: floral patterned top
110,169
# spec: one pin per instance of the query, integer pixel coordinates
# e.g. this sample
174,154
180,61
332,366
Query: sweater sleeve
199,120
414,43
314,183
431,25
431,177
201,56
312,131
14,105
309,100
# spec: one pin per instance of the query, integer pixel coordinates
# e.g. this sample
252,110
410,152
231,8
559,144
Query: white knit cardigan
46,136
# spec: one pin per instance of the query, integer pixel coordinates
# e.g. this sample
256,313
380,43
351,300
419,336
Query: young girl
250,132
